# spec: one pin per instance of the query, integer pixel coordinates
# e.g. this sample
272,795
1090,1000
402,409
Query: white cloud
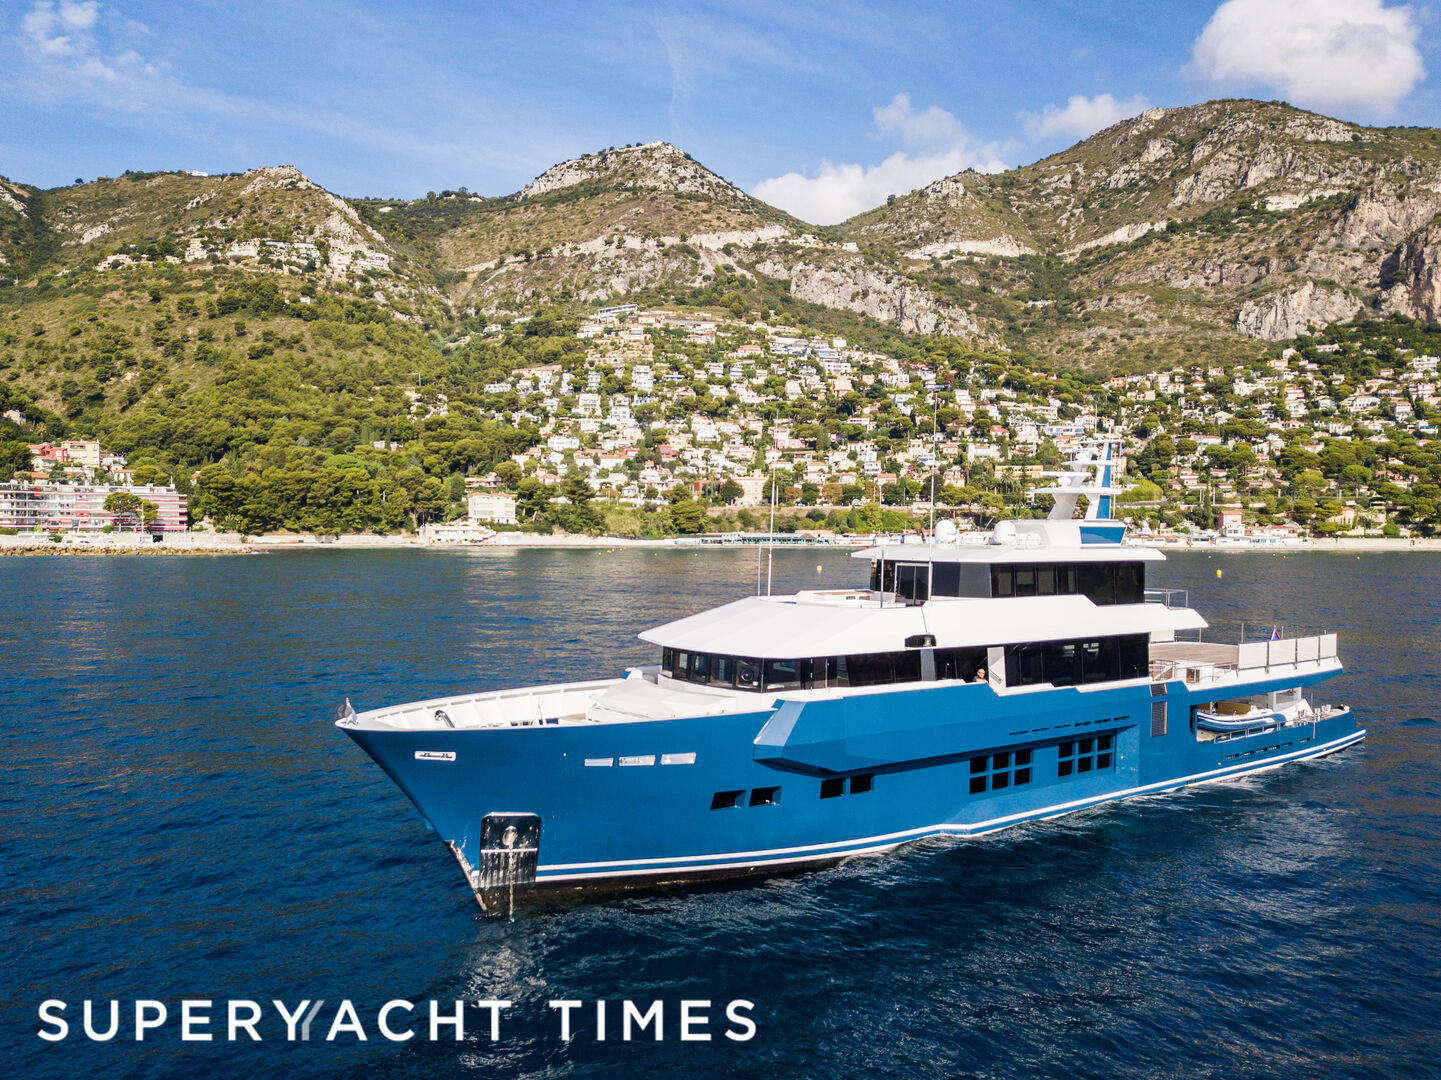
64,44
924,127
1082,116
1323,54
941,146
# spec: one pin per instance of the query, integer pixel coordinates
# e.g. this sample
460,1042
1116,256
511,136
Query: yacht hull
564,807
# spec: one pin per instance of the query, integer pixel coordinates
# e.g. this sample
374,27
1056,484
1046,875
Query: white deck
639,697
843,622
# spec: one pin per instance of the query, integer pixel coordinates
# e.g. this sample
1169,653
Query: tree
14,457
687,516
128,509
730,491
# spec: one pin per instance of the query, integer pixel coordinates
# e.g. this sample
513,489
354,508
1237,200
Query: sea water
180,819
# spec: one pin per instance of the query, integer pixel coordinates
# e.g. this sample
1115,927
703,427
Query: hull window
997,772
838,785
726,800
1077,757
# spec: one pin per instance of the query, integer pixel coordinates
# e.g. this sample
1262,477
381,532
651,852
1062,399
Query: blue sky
823,108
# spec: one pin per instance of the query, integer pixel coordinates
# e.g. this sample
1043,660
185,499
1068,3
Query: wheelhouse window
918,582
783,674
861,669
913,582
1101,582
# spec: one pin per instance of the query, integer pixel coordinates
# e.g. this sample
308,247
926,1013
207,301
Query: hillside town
653,409
670,404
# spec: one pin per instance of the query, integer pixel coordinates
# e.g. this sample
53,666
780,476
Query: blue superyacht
966,687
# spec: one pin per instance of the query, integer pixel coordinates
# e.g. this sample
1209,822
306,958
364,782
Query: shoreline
235,544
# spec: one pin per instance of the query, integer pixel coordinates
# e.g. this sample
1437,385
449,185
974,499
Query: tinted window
913,582
907,666
946,579
1098,581
1023,665
959,663
722,670
869,669
1130,583
1135,656
748,674
783,675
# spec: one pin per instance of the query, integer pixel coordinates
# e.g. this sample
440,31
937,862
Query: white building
491,506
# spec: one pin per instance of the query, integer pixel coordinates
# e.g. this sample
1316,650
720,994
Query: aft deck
1202,662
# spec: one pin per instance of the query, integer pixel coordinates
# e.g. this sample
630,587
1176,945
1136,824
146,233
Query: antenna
771,536
758,569
935,460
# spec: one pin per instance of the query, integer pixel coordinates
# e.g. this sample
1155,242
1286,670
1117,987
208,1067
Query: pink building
40,506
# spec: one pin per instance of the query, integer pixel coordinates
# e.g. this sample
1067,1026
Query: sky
821,108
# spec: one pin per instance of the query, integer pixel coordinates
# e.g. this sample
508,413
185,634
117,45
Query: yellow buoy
1218,571
818,568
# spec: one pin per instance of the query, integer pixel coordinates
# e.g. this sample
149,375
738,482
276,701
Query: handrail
1172,598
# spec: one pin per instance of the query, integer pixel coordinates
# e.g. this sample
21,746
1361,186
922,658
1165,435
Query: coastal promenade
212,543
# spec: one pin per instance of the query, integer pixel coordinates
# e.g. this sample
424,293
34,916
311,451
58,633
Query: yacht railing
1172,598
1192,673
1251,657
522,707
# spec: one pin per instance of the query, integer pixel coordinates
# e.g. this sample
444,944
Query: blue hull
799,782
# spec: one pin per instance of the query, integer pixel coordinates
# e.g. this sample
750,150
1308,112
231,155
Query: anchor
509,851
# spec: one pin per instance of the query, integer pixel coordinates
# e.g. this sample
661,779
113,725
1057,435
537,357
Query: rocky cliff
1191,231
1220,221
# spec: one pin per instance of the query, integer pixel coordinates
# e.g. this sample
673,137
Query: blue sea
180,819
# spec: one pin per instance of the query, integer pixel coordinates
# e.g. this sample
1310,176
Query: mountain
645,217
1180,233
1195,227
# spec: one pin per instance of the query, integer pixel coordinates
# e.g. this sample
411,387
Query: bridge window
860,669
783,674
913,582
1102,582
919,582
748,675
